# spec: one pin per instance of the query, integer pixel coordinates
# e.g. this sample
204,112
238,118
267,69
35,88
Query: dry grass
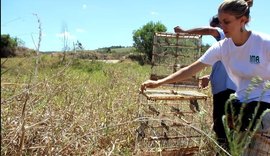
90,110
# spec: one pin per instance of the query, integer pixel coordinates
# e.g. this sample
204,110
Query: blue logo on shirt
254,59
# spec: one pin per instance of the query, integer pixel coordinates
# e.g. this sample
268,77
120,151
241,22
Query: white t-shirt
243,63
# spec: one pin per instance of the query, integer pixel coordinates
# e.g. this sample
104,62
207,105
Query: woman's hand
149,84
178,29
204,81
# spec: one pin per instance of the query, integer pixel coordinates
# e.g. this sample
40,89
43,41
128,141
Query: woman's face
230,24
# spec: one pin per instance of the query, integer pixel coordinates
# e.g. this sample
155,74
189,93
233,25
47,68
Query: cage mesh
169,120
172,52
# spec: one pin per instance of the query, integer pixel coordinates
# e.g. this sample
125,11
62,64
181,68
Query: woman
244,54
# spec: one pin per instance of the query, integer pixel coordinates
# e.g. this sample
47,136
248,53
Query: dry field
76,107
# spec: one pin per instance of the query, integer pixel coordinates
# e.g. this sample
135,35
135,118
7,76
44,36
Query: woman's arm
199,31
180,75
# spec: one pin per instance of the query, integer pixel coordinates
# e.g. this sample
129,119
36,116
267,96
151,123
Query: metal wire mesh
167,121
172,52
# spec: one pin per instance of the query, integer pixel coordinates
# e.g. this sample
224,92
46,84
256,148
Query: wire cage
169,118
174,51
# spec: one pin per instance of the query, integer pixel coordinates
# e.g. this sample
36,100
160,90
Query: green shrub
8,46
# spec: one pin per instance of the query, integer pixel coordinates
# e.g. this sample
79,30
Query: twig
38,46
112,148
23,125
41,122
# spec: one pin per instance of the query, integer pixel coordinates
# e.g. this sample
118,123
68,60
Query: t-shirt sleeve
267,46
212,55
267,50
221,34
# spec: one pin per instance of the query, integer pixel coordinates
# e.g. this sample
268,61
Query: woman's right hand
149,84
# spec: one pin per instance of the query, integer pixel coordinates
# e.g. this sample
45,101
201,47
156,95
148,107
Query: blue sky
104,23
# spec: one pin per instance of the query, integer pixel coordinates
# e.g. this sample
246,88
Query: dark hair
214,22
238,8
249,2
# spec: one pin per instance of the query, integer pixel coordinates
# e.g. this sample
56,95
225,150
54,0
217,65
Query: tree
8,45
143,37
78,46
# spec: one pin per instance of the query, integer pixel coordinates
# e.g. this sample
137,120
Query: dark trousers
250,113
219,101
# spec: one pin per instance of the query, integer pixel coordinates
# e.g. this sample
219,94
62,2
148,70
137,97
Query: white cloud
154,13
84,6
67,35
80,30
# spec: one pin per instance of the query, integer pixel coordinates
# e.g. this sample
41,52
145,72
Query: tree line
142,37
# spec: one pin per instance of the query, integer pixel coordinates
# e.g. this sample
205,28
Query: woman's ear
244,20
